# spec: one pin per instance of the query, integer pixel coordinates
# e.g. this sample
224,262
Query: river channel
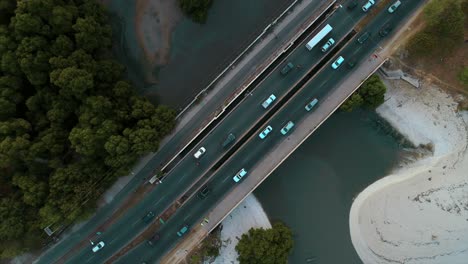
312,191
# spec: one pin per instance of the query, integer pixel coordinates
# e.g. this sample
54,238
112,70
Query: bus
317,38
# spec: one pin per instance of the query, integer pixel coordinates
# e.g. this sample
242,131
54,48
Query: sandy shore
247,215
418,214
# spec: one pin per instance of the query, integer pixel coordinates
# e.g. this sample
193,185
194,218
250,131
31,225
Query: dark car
352,5
153,239
363,37
204,192
385,30
148,217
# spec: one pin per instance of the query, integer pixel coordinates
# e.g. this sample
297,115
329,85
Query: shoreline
418,213
249,214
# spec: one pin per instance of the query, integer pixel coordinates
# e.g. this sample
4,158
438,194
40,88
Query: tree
463,75
197,10
372,92
270,246
353,102
74,82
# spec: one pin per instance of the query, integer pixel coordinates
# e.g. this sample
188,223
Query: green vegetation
209,248
370,94
444,29
69,124
197,10
463,75
270,246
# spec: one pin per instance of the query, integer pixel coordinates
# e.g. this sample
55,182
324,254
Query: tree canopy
444,28
265,246
197,10
69,124
370,95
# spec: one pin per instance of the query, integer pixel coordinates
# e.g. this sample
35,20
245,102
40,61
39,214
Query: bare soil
154,22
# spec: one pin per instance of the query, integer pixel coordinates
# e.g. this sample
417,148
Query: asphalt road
180,138
253,151
238,122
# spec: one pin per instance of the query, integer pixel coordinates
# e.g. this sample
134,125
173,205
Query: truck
318,37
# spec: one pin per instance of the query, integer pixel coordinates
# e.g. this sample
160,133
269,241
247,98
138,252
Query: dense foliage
197,10
270,246
370,94
463,75
444,29
69,124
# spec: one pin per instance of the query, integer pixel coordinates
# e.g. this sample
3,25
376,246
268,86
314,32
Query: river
313,189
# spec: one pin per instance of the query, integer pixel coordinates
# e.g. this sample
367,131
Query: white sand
419,214
247,215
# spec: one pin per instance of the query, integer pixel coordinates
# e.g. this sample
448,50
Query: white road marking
91,258
226,179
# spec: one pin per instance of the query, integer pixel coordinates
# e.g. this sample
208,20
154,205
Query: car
98,246
182,230
327,45
311,104
351,64
352,5
394,6
268,101
199,153
239,175
153,239
228,140
287,68
265,132
385,29
337,62
363,37
368,5
287,127
148,217
204,192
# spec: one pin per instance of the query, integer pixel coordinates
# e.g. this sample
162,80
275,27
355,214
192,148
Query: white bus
317,38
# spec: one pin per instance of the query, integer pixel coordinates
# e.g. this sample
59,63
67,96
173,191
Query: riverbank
249,214
419,213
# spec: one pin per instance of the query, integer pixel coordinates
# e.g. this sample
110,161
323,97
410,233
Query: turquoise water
313,190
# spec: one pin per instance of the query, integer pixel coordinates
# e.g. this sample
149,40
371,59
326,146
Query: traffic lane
324,84
279,83
195,208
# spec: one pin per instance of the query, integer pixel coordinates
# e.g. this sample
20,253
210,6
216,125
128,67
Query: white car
368,5
265,132
337,63
240,175
98,246
199,153
287,127
394,7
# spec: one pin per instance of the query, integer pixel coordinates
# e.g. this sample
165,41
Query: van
287,127
239,175
268,101
310,105
327,45
337,62
368,5
394,6
287,68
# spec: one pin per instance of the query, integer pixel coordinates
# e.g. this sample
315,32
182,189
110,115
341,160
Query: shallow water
313,190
